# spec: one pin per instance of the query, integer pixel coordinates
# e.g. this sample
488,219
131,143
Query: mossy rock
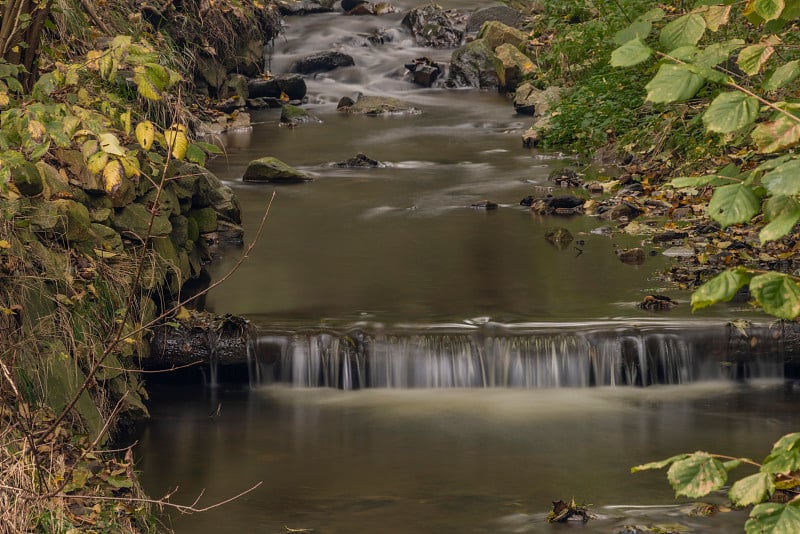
167,201
27,179
474,65
205,189
513,66
180,230
381,105
132,221
101,215
106,238
64,379
192,232
495,33
296,115
274,171
167,252
54,183
206,219
63,218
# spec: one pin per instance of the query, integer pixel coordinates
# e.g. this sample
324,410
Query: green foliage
697,474
694,54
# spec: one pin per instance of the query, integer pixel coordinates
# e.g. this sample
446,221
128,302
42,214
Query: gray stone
496,33
292,85
132,221
322,62
474,65
274,171
434,26
499,12
27,179
380,105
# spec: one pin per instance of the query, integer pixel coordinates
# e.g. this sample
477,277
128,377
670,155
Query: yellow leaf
284,97
4,99
110,144
131,165
183,314
97,162
112,176
4,244
93,59
125,120
129,341
145,132
36,130
176,141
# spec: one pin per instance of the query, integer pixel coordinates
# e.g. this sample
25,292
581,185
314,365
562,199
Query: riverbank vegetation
106,212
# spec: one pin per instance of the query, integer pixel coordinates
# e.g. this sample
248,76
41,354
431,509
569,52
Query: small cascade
605,354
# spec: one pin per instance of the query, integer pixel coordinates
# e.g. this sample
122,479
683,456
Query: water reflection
448,461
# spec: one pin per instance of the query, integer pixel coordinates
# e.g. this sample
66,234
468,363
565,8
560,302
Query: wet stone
632,256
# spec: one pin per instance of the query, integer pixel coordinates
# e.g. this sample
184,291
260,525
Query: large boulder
304,7
294,115
512,66
496,33
273,171
292,85
434,26
322,62
498,12
474,65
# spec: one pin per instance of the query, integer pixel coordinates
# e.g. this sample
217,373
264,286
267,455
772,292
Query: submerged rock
485,205
434,26
274,171
632,256
559,237
322,62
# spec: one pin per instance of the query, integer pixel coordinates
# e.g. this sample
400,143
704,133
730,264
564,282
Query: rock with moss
498,12
206,219
27,179
512,67
294,115
474,65
132,221
106,239
273,171
495,33
54,183
379,105
63,218
528,100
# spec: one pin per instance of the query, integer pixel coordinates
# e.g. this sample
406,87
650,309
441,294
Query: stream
428,367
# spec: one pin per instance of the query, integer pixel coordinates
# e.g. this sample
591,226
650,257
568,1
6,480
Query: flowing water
432,367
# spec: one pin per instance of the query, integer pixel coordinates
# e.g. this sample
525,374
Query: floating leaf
752,490
685,30
721,288
783,76
730,112
631,53
784,179
110,144
697,475
774,518
776,135
145,133
782,212
732,204
778,295
673,83
753,58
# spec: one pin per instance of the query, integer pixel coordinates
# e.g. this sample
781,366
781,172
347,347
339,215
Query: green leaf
732,204
774,163
699,181
754,489
685,30
785,455
784,179
631,53
685,53
730,112
769,9
716,53
659,464
673,83
779,295
209,147
774,518
697,476
753,58
782,212
639,29
776,135
733,464
144,85
782,76
119,481
653,15
721,288
195,154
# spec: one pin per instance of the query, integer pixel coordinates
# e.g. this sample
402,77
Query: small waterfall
605,354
